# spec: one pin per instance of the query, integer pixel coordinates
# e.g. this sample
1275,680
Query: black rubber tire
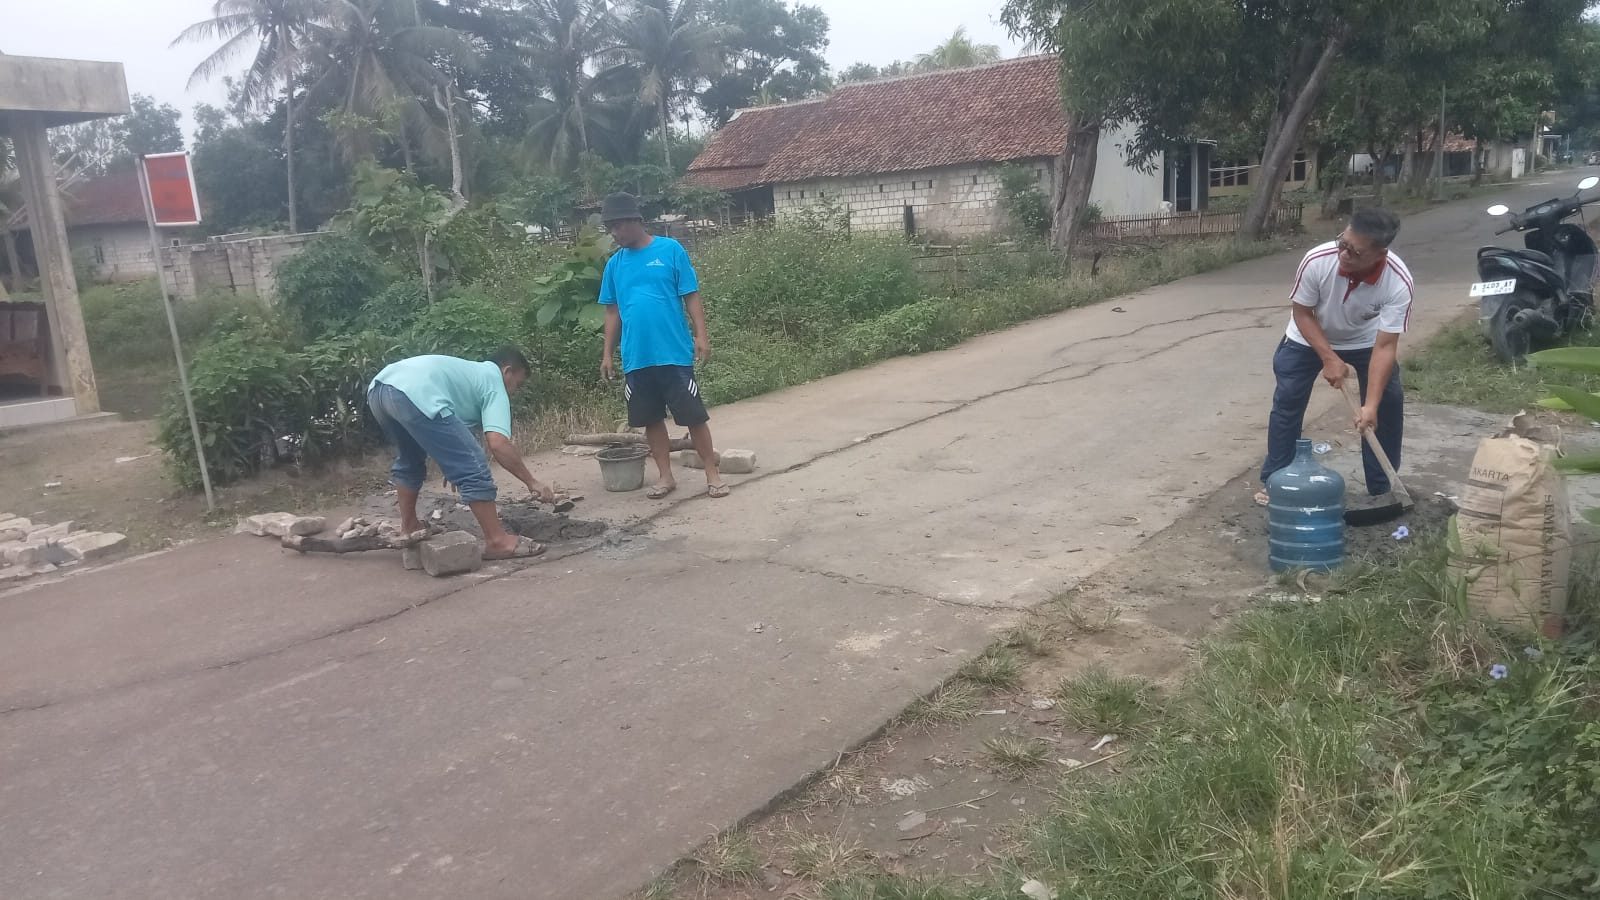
1509,340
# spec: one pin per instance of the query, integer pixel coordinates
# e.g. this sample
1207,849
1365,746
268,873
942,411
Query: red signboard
172,191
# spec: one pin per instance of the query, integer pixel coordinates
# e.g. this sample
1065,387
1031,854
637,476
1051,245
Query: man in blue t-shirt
648,285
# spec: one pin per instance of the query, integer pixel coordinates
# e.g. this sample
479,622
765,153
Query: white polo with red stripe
1352,311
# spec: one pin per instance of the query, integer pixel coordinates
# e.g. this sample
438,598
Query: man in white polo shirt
1351,302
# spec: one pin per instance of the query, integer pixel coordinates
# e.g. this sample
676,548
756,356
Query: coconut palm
669,47
277,32
564,39
381,68
957,52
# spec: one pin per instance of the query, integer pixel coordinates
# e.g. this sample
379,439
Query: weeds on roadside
1457,368
822,857
1098,700
997,668
956,701
1030,639
728,858
1014,756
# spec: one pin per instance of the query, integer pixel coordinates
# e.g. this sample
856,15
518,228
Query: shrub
471,325
396,309
915,328
325,286
1025,205
801,283
260,402
127,323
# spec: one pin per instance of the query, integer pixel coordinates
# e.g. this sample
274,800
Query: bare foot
503,547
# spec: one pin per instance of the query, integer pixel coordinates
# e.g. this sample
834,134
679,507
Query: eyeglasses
1347,247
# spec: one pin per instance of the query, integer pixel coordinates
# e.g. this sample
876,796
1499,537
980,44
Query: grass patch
997,668
1029,639
729,858
956,701
822,858
1014,756
1097,700
1362,747
1457,368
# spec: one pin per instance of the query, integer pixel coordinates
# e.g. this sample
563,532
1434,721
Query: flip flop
525,549
717,491
659,491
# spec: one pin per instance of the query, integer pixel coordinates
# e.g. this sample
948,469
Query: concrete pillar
46,221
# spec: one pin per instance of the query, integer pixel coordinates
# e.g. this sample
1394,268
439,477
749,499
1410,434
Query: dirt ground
932,801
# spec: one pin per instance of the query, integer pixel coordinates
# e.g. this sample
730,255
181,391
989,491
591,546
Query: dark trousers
1299,369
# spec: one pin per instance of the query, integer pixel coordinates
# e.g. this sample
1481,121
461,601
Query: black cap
619,206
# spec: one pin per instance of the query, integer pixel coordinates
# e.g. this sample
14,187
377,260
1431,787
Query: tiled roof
1005,111
112,199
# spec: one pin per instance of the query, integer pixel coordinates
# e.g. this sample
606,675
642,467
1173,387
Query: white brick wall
113,252
958,201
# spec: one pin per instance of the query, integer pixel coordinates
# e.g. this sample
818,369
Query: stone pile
28,549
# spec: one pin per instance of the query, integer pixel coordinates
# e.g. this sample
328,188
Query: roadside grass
1097,699
1014,756
954,701
1361,746
996,669
729,858
1457,368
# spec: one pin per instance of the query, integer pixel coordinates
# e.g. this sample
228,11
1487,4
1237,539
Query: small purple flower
1498,671
1402,533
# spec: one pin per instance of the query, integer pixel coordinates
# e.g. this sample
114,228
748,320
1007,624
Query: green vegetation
1378,744
1457,368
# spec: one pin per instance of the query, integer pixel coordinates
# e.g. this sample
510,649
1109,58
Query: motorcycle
1531,298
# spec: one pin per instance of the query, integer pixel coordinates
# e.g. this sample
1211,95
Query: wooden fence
1193,224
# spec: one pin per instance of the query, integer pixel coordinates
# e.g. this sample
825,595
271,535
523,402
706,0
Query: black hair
511,356
1376,223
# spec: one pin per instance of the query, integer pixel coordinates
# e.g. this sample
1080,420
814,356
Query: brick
9,521
452,553
12,534
281,524
50,532
24,553
411,558
737,462
93,545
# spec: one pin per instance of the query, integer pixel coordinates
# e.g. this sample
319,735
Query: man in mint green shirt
429,406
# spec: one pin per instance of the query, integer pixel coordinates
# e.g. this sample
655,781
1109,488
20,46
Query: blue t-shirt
647,286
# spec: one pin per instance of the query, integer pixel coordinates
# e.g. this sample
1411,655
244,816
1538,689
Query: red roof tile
112,199
1005,111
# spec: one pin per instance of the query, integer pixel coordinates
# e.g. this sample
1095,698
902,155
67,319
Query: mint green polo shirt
474,392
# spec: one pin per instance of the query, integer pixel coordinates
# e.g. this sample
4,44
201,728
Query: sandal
525,549
661,490
717,491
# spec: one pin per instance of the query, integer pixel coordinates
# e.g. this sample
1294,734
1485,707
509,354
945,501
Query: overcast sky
137,33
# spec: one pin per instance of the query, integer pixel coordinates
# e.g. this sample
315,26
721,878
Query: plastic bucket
622,468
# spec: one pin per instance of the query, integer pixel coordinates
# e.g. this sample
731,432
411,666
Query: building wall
1119,189
960,201
113,252
1226,175
245,266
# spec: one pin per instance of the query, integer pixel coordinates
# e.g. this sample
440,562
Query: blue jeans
416,437
1298,368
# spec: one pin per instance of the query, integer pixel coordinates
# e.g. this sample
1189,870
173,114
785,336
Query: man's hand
702,350
1334,371
542,491
1366,419
607,368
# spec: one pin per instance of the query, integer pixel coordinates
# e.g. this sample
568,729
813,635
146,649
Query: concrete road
226,721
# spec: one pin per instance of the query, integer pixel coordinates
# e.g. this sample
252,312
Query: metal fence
1192,224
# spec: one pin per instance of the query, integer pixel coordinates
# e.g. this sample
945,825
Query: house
923,152
106,227
1235,177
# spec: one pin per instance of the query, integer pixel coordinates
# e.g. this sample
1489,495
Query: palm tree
278,29
669,47
564,38
957,52
383,68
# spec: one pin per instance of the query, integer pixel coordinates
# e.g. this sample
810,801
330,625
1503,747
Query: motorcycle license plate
1494,288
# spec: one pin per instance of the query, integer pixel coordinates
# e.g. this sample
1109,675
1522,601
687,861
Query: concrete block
411,558
50,532
93,545
690,460
24,553
9,521
737,462
452,553
12,574
12,534
281,524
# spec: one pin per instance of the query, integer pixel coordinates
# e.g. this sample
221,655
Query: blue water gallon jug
1305,516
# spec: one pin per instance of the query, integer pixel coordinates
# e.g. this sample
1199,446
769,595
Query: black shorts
653,390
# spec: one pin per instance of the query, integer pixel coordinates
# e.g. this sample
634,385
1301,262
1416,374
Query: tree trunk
1477,162
1074,180
288,150
424,252
577,108
666,135
1284,134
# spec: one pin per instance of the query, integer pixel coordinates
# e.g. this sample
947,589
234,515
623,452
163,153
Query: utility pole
1439,161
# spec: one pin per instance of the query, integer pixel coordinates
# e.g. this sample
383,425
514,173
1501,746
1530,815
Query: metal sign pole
177,345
